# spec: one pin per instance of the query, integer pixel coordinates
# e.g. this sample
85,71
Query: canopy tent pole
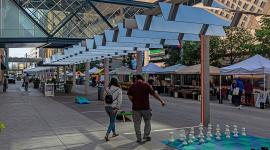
264,76
205,86
220,87
106,72
74,74
65,73
139,62
86,82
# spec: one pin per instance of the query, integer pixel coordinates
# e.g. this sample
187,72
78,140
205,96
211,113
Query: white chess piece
171,137
184,141
182,135
244,132
218,134
208,136
190,138
227,131
201,138
192,132
235,131
210,129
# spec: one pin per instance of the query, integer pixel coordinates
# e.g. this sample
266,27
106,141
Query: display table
240,143
49,89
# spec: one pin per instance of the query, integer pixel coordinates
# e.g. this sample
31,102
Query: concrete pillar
139,62
65,74
86,82
74,74
205,85
106,72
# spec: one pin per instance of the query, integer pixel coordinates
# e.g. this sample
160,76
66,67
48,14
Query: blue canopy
151,68
173,69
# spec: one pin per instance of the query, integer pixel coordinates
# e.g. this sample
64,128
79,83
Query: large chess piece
201,136
190,138
235,131
192,132
218,134
209,135
227,131
244,132
210,130
182,135
171,137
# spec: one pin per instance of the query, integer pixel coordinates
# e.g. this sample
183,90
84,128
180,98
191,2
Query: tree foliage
263,38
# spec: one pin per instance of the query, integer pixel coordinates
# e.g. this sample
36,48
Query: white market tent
256,65
196,69
172,69
151,68
122,71
253,65
94,70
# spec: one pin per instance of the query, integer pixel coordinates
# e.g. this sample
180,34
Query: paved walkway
35,122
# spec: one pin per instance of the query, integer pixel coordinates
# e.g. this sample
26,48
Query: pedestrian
240,85
26,82
113,102
5,84
248,92
138,94
234,92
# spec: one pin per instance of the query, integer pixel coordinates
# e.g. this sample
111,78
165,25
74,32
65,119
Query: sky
18,52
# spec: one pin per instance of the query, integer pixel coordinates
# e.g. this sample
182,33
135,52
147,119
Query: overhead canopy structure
38,69
122,71
253,65
196,69
151,68
173,69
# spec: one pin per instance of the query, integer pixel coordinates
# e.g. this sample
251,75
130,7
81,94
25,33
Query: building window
252,8
222,13
227,16
238,8
232,6
259,11
234,1
239,3
245,18
245,6
228,3
262,4
242,24
222,1
256,2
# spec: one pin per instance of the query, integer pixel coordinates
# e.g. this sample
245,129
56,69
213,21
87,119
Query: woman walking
113,102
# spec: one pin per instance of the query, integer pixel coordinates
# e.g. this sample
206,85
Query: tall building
247,21
34,53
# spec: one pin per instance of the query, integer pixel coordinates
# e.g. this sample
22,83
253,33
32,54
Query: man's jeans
137,118
112,116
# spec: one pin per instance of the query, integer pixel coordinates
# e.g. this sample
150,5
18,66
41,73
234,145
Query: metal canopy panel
159,24
195,15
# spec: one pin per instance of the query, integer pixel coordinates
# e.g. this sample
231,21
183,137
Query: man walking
138,94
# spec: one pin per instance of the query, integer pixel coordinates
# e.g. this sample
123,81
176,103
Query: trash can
100,92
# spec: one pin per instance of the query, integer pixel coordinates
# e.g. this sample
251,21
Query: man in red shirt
138,94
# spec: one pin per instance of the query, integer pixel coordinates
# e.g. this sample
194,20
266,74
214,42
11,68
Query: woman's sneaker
147,138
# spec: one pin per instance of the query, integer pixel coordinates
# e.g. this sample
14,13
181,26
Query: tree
173,56
238,44
263,38
191,53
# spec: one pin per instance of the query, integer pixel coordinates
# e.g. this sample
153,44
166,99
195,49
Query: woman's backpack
109,97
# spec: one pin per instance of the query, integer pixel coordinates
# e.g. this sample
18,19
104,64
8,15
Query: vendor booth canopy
253,65
122,71
172,69
196,69
94,70
151,68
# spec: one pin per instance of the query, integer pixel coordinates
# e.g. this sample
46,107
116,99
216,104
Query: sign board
49,90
